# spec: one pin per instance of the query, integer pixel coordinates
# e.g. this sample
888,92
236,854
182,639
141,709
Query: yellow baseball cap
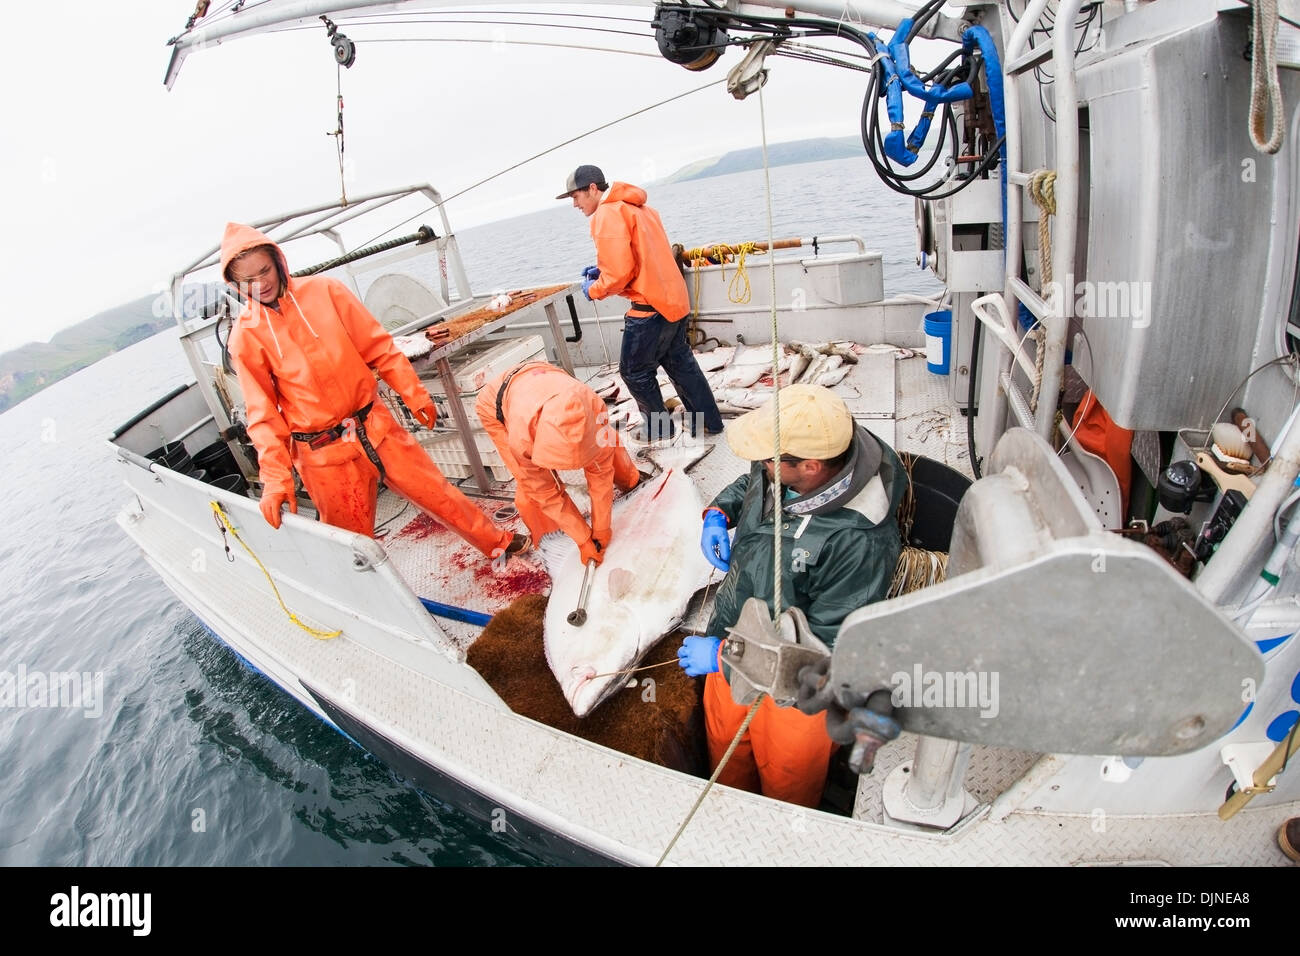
815,423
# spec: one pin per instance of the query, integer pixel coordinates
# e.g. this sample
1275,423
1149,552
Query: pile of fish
741,376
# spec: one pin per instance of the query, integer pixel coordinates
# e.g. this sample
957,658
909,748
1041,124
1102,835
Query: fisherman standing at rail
543,420
840,543
635,260
306,352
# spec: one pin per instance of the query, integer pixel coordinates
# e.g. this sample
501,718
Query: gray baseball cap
581,178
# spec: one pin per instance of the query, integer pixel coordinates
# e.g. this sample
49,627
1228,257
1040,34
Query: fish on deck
639,592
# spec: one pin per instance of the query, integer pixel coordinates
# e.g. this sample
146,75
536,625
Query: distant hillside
778,154
26,370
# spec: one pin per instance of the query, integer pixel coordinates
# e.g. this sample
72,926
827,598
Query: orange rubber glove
272,501
591,550
426,415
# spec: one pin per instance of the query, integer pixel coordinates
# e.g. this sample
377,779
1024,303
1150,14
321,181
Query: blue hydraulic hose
453,613
978,36
899,76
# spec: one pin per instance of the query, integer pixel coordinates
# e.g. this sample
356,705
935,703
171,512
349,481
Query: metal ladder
998,312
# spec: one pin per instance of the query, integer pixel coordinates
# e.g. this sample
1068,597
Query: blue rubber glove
699,655
714,541
591,272
586,285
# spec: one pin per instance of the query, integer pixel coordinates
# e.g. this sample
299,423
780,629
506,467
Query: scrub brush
1230,447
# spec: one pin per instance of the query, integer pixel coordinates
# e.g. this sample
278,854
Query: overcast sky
113,182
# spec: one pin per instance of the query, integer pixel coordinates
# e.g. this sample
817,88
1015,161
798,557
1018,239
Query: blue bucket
938,341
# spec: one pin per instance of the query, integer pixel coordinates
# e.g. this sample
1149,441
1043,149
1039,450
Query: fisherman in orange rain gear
541,419
635,261
306,352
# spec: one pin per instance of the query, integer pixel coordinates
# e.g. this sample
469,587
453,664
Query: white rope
776,378
1263,76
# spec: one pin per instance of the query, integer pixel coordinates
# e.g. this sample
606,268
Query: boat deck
897,399
889,392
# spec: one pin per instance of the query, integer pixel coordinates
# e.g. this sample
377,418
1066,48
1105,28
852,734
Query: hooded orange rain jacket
635,258
554,422
308,363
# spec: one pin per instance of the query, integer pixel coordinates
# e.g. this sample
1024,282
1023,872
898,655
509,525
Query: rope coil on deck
224,521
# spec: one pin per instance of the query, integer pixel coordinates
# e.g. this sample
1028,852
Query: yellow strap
225,520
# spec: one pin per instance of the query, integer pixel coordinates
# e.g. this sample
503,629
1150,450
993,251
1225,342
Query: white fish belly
638,594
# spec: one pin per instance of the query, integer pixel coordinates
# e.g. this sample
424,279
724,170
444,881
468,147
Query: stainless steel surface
971,658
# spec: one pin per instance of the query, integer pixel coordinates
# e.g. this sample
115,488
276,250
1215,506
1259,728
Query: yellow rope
1042,190
222,517
738,290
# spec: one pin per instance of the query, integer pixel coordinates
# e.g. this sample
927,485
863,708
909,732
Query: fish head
599,671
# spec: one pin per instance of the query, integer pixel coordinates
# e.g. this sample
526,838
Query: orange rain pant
784,753
343,483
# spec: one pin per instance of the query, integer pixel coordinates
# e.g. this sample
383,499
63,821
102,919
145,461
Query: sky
113,182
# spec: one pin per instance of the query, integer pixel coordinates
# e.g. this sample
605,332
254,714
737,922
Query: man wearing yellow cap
840,488
543,420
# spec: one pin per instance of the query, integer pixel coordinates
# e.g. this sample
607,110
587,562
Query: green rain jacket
839,543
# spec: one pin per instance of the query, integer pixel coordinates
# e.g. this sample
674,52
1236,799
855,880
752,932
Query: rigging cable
523,162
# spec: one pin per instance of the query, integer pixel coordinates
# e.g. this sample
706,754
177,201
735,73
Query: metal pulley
768,657
749,74
345,51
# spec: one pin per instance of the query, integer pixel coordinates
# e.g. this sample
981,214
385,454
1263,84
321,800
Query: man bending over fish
543,420
840,543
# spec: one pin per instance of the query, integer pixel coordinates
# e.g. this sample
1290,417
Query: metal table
439,359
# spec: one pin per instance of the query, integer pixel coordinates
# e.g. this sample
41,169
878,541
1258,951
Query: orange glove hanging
591,550
272,502
426,415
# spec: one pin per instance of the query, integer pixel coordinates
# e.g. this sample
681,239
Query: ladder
996,311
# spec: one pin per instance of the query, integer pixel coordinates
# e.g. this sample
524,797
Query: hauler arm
267,428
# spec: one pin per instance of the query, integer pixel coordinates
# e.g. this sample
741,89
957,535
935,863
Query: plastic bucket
235,483
171,455
938,341
216,458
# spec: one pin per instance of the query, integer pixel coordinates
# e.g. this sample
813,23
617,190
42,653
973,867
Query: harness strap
505,383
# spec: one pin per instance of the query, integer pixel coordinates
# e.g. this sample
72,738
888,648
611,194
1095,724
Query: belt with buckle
328,436
355,423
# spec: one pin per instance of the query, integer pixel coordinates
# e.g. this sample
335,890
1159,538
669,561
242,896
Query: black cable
970,398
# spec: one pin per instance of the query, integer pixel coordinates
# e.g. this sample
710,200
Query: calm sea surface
195,760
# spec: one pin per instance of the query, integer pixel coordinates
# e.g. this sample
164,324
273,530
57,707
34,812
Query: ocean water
186,757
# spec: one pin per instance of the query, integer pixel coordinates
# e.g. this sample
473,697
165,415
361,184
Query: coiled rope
1265,93
1042,190
223,522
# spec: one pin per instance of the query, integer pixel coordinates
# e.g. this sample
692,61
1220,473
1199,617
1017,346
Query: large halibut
638,594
